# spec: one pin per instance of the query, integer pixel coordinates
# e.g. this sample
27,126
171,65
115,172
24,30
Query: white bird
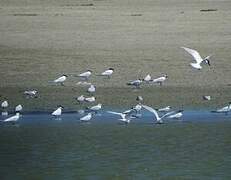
91,89
225,109
135,83
58,111
12,118
147,78
158,118
139,98
31,93
197,57
207,98
60,80
160,79
86,74
18,108
177,115
80,99
164,109
108,72
138,107
86,117
96,107
90,99
122,115
4,104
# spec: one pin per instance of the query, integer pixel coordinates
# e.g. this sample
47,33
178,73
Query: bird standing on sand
158,119
139,98
207,98
197,57
89,99
31,93
108,73
160,79
85,75
91,89
147,78
60,80
80,99
136,83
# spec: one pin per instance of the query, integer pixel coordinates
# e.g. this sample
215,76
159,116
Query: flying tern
158,118
197,57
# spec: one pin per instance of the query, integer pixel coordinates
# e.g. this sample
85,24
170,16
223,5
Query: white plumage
122,115
225,109
91,89
57,112
147,78
90,99
160,79
4,104
86,74
136,83
197,57
96,107
31,93
86,118
108,72
12,118
18,108
177,115
80,98
158,119
60,80
164,109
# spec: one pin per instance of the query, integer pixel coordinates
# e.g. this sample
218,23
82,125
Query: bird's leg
160,83
62,84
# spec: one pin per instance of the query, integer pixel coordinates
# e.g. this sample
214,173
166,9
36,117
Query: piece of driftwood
208,10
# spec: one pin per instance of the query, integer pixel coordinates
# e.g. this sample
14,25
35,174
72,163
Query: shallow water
40,147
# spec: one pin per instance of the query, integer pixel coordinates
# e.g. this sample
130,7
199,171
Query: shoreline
114,97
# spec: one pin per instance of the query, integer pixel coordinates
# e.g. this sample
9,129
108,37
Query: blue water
104,117
41,147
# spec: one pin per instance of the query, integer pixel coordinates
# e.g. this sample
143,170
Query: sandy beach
41,40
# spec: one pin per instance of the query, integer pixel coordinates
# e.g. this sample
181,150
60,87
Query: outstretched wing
169,113
120,114
194,54
152,111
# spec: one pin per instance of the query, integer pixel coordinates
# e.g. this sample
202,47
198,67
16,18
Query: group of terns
127,115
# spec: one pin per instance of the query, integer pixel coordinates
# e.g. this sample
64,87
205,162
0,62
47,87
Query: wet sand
41,40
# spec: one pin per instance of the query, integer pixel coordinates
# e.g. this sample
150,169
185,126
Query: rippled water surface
40,147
